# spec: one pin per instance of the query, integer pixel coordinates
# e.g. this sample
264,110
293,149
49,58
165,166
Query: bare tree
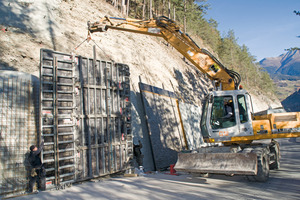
135,9
150,9
127,8
144,9
163,7
184,16
174,12
169,10
123,7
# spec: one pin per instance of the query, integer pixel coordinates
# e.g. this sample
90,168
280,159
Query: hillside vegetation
191,16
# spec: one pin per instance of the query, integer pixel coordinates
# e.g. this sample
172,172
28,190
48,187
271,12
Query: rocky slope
292,102
28,25
62,25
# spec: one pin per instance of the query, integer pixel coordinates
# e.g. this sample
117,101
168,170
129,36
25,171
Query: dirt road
283,184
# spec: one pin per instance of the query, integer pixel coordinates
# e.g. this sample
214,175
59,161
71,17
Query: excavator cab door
226,114
244,114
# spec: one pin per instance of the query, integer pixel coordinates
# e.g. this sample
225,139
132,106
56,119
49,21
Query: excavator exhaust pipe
218,163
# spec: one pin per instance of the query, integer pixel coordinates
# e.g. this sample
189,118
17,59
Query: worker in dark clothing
138,154
228,109
38,172
228,118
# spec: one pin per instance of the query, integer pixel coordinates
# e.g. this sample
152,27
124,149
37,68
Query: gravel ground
283,184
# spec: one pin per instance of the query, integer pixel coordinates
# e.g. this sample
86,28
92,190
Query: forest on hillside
190,15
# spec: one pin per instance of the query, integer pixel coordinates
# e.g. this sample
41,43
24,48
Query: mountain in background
285,71
287,64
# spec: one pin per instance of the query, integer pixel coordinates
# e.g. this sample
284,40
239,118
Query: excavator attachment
218,163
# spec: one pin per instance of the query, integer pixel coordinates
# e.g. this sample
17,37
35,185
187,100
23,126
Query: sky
266,27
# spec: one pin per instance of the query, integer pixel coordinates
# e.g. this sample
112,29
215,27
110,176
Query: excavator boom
166,28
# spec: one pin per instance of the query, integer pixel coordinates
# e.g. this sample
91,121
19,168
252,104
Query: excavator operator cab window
242,109
222,114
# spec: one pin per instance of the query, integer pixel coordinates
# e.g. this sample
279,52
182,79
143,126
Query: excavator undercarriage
253,160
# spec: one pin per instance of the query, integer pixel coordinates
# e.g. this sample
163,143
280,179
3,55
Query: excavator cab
226,114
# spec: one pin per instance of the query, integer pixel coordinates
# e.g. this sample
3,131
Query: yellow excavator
228,123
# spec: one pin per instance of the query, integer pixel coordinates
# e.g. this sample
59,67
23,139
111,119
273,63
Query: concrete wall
191,117
164,126
165,130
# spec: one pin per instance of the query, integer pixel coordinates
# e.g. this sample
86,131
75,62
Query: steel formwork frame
85,117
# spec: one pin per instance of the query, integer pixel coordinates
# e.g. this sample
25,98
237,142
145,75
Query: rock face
292,102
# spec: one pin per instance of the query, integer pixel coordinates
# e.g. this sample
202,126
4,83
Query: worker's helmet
227,101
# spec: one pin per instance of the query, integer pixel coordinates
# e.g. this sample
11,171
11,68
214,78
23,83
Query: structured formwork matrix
85,117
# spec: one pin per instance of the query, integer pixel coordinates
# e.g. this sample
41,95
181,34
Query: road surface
283,184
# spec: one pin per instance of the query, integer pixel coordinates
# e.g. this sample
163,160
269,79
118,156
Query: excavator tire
262,165
275,156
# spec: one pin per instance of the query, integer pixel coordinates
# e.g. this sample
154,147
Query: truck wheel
275,155
262,165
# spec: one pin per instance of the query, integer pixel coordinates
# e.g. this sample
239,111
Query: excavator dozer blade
218,163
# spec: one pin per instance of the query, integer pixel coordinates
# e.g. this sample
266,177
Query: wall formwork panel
164,125
85,117
173,126
191,118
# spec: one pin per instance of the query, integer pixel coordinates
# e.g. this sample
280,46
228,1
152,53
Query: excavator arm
166,28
